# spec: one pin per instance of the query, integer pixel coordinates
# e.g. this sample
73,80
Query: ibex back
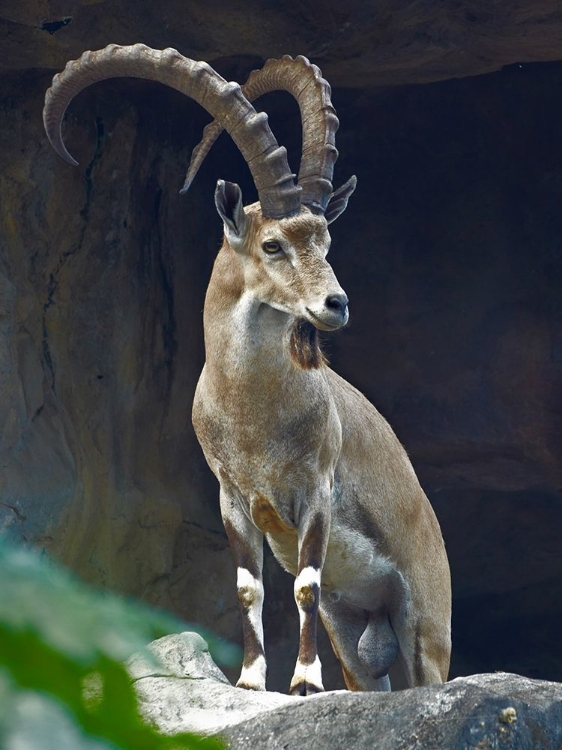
301,456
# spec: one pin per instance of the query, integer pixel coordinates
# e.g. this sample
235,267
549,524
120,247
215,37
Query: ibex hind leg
364,645
425,652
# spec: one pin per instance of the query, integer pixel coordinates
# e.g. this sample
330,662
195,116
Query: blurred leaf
32,720
80,621
62,644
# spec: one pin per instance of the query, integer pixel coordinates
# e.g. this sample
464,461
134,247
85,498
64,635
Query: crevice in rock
222,534
53,26
53,278
169,326
37,413
169,677
20,516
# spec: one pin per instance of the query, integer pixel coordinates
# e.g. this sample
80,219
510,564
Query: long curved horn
278,194
304,81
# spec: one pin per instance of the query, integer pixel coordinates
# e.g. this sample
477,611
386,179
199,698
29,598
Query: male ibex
301,456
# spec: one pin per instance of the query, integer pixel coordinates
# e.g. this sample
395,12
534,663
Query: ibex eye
271,247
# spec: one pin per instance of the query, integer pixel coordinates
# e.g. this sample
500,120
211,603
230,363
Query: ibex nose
337,303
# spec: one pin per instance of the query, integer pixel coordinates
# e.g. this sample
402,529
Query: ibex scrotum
301,456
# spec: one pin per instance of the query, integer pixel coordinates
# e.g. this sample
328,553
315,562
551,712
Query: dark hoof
305,688
246,686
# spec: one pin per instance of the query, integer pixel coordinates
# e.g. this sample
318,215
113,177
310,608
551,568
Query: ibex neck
243,337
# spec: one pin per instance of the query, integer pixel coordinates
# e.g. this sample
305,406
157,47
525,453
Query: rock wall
449,252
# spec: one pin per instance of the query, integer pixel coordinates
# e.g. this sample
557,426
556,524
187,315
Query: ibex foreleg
246,543
313,537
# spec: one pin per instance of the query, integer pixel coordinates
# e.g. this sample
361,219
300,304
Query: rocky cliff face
449,252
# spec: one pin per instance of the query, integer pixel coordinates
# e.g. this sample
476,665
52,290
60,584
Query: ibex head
284,260
283,239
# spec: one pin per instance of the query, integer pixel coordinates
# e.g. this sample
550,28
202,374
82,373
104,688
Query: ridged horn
304,81
278,194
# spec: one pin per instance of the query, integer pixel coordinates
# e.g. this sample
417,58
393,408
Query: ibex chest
273,442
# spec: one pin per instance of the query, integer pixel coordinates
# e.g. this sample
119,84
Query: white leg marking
254,675
309,673
253,592
303,582
307,577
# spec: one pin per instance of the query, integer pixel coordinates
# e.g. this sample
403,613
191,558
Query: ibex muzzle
301,456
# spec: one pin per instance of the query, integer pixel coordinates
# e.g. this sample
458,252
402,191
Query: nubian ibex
301,456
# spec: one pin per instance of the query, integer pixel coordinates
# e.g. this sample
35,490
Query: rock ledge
188,692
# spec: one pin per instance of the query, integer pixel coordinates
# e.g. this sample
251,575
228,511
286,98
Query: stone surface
482,711
357,44
91,314
449,252
188,693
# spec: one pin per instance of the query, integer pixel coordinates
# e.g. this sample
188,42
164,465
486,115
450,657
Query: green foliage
62,681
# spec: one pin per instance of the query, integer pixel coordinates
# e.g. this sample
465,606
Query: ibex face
284,260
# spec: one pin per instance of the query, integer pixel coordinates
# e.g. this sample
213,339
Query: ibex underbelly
355,571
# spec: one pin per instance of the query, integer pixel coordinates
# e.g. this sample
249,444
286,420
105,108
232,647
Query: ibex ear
228,200
338,200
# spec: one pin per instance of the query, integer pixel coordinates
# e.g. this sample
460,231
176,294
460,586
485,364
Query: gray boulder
188,692
183,690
